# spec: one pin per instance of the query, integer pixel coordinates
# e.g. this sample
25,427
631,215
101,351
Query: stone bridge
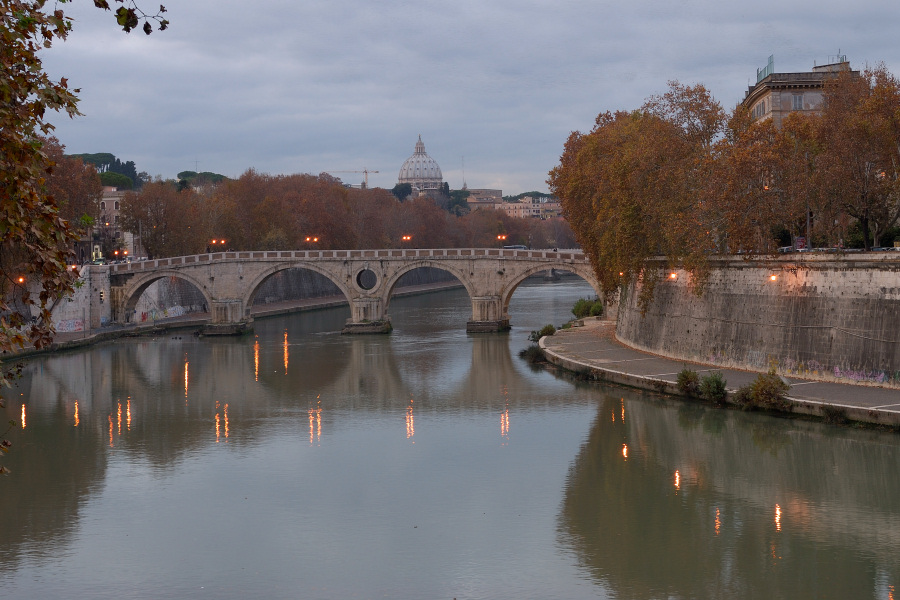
229,281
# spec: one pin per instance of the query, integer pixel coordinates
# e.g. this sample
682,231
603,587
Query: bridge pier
367,316
227,318
487,315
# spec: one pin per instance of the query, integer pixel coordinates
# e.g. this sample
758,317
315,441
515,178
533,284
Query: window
102,205
797,102
117,205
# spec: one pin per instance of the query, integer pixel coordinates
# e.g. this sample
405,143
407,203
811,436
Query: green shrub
688,382
768,391
712,387
743,397
545,330
587,308
533,354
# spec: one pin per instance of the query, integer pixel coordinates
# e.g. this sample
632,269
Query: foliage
534,194
534,336
402,191
106,162
458,204
167,220
195,179
688,382
247,210
533,354
679,178
629,187
116,180
35,239
74,186
587,308
712,387
767,391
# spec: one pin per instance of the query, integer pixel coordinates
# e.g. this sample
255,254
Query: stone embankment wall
824,317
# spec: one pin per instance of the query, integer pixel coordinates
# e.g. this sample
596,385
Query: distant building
422,173
107,230
528,206
776,95
483,198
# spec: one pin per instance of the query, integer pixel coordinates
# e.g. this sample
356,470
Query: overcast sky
344,85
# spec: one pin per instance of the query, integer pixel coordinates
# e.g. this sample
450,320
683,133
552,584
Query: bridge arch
132,292
391,282
255,285
583,271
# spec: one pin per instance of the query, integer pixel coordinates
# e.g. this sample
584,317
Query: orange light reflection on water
256,360
111,430
625,451
504,424
119,417
186,379
777,518
128,414
677,480
77,420
225,411
410,421
285,352
718,522
23,416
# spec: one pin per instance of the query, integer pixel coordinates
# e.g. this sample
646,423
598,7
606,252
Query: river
430,463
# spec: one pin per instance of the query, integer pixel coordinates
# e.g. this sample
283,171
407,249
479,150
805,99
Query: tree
34,238
859,164
630,187
116,180
402,191
168,220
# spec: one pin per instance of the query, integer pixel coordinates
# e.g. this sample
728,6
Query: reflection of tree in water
716,535
55,467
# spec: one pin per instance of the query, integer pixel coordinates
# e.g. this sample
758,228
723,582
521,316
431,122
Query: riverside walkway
594,348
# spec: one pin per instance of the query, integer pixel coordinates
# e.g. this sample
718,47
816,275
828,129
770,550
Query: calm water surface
297,463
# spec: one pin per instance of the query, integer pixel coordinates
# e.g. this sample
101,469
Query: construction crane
366,171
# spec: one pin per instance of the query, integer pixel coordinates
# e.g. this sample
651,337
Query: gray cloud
303,87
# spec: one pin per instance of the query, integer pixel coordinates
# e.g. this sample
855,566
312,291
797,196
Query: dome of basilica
421,171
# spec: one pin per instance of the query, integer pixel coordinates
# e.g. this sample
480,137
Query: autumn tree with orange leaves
631,187
678,179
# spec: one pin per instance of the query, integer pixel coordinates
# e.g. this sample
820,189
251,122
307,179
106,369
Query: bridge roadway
229,281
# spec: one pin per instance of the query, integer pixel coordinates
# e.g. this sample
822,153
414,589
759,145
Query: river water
298,463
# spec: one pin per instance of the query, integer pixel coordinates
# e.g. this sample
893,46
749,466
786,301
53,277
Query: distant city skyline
348,86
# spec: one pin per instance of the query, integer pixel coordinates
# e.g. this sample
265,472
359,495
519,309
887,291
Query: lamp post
500,239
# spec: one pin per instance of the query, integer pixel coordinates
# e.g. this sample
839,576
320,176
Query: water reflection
813,500
391,444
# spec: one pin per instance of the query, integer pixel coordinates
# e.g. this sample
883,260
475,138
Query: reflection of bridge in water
230,281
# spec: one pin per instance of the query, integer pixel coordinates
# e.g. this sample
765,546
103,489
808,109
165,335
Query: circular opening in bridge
366,279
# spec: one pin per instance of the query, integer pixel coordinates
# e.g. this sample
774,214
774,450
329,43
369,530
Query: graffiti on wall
812,369
70,325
